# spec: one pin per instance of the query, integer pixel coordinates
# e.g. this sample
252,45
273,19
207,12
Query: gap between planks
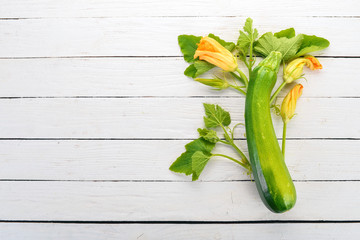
181,222
163,181
169,16
145,56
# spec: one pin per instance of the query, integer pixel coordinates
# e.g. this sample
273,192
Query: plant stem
243,76
231,142
284,139
277,92
232,159
238,88
251,58
224,142
237,77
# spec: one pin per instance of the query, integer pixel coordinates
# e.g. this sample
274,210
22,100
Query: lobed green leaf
199,161
208,134
216,116
287,46
246,37
184,163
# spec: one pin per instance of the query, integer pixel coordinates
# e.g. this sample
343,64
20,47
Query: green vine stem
237,77
251,60
284,139
277,92
243,76
231,143
238,88
232,159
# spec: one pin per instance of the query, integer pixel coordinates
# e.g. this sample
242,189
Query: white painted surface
128,8
135,128
294,231
156,36
117,77
162,117
171,201
137,160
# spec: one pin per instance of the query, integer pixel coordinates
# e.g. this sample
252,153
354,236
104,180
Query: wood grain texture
128,8
136,160
126,36
162,117
117,77
171,201
10,231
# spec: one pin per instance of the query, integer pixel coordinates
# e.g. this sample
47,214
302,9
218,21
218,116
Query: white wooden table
94,108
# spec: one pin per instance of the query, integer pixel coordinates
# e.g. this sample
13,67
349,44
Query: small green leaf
216,116
311,44
197,68
243,43
288,33
287,46
208,135
190,71
199,161
246,37
183,164
202,67
188,46
228,45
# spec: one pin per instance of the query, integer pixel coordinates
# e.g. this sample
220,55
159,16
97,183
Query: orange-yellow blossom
289,103
295,68
313,63
213,52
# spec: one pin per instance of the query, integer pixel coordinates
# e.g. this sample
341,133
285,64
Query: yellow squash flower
289,103
295,68
213,52
313,63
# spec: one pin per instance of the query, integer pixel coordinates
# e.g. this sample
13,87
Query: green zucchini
271,175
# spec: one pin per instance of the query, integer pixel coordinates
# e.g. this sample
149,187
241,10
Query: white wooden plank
128,8
161,117
168,201
116,77
149,160
297,231
154,36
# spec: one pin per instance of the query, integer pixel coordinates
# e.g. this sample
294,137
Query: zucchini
271,175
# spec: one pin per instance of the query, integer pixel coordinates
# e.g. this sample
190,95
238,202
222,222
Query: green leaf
188,46
183,164
216,116
202,67
287,46
228,45
208,135
197,68
288,33
190,71
199,161
311,44
246,37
